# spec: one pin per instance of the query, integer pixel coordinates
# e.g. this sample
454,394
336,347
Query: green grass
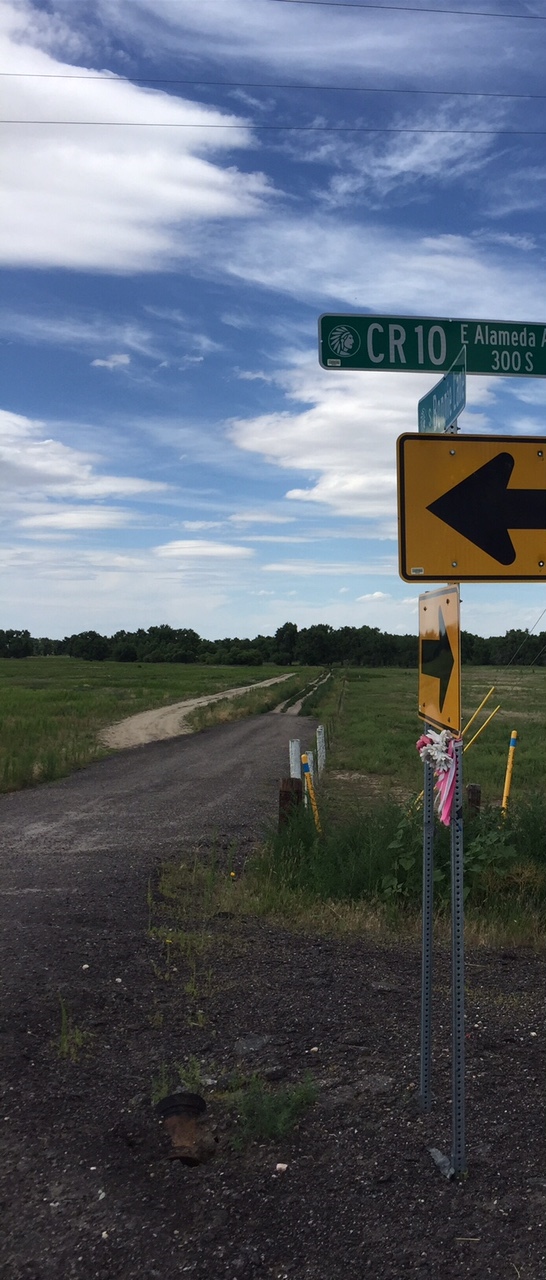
369,851
53,708
72,1039
254,703
264,1114
377,728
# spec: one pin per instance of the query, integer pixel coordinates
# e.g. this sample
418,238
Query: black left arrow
437,659
483,508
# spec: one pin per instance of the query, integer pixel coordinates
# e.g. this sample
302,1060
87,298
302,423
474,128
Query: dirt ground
170,721
86,1185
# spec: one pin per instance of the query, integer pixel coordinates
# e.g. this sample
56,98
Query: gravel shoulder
86,1186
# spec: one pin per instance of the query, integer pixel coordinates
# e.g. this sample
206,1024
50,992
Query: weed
71,1040
190,1075
166,971
225,710
157,1019
263,1113
162,1084
197,1019
150,903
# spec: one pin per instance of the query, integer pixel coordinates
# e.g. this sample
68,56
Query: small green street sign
440,408
421,344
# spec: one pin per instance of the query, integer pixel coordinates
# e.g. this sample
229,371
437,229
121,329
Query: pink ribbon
439,751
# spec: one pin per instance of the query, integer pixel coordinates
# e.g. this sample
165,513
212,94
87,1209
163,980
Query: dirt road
171,721
86,1189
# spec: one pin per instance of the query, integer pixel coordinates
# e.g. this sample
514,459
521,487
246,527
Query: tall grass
53,708
256,702
377,726
369,850
375,854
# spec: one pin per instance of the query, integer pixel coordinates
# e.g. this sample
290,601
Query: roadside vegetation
363,869
53,708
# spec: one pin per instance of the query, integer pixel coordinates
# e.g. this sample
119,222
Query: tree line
319,645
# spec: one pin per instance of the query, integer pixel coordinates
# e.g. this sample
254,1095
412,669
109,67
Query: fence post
290,796
295,758
321,749
474,798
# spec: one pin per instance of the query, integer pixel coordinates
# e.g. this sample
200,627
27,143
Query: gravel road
85,846
87,1191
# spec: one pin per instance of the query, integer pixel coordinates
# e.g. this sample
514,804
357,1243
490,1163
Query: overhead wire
277,128
114,78
526,638
407,8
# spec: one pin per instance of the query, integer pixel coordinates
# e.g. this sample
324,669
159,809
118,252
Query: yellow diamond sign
472,508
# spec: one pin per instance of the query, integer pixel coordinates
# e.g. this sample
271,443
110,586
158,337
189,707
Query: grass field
364,866
378,726
53,708
367,858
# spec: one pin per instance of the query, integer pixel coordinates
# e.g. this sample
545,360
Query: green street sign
426,344
440,408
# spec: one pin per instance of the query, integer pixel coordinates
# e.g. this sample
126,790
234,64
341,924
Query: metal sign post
458,1154
427,925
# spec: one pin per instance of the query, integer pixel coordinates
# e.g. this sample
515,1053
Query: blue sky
171,449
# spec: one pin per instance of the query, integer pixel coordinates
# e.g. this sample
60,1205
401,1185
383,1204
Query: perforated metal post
426,953
458,1154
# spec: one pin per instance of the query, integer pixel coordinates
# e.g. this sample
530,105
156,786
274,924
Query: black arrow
483,508
437,659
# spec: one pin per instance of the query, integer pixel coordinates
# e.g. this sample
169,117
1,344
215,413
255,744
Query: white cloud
404,162
195,526
309,44
316,568
343,428
111,197
187,361
374,595
259,517
77,331
67,518
34,464
113,362
201,549
397,271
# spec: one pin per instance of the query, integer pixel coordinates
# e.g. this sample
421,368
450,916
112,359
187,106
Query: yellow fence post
306,770
509,767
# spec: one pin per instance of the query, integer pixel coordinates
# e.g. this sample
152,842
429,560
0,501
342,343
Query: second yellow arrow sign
472,508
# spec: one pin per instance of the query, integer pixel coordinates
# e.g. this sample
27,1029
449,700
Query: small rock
344,1096
274,1073
375,1084
281,1168
251,1044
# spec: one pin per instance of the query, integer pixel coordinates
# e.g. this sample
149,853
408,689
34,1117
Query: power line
254,84
526,638
406,8
277,128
